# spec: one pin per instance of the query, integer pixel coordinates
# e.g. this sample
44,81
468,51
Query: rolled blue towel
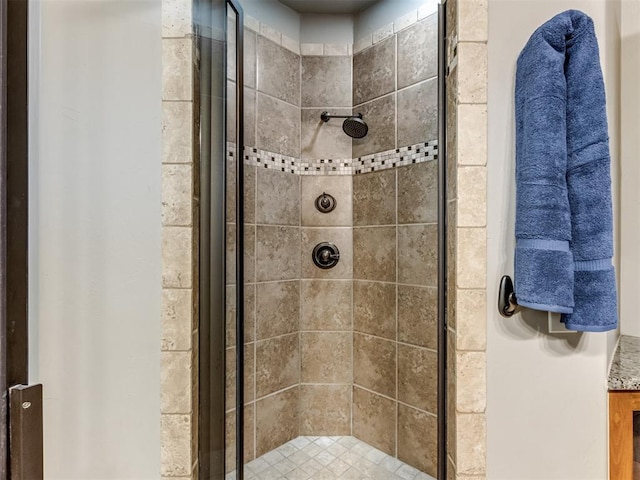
564,224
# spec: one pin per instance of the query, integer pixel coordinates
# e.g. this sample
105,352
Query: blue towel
564,224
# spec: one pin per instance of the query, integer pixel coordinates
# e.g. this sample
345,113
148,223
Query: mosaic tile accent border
421,152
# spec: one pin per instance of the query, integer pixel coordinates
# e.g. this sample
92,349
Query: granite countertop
625,367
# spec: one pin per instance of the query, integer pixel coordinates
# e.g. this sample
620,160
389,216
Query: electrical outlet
555,325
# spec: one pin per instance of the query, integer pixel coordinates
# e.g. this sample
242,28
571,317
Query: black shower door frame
210,19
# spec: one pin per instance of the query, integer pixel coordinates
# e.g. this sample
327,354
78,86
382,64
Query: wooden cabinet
622,405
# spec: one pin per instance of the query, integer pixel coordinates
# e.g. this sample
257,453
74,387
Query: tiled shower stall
466,114
351,350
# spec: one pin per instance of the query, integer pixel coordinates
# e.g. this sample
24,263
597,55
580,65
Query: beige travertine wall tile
270,33
374,364
341,238
374,420
374,308
325,410
177,132
326,305
175,382
176,18
452,238
277,198
417,57
277,309
418,377
418,254
471,382
418,439
250,179
471,446
472,72
472,258
472,196
249,192
417,315
382,33
276,253
326,81
418,193
252,23
230,437
452,17
278,71
340,187
230,377
178,358
374,251
325,140
472,134
473,20
249,59
374,71
451,470
472,319
277,364
177,195
290,44
418,113
374,198
249,314
380,116
277,420
278,126
362,43
451,395
452,134
312,49
326,357
175,445
336,49
176,319
177,69
249,253
176,257
250,106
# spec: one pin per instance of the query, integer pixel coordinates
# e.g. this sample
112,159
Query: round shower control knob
325,203
325,255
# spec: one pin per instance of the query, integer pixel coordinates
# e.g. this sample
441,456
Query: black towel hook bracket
507,301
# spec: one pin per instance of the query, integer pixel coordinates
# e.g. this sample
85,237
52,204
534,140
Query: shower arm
326,116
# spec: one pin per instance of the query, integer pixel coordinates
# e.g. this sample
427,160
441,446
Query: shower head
354,125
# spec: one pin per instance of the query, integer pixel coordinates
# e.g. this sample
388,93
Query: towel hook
507,301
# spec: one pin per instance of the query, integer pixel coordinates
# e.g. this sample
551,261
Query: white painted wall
630,178
546,405
95,235
316,28
274,14
382,13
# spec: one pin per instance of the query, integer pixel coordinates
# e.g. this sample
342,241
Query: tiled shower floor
328,458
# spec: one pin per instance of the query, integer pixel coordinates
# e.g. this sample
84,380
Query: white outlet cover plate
555,325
